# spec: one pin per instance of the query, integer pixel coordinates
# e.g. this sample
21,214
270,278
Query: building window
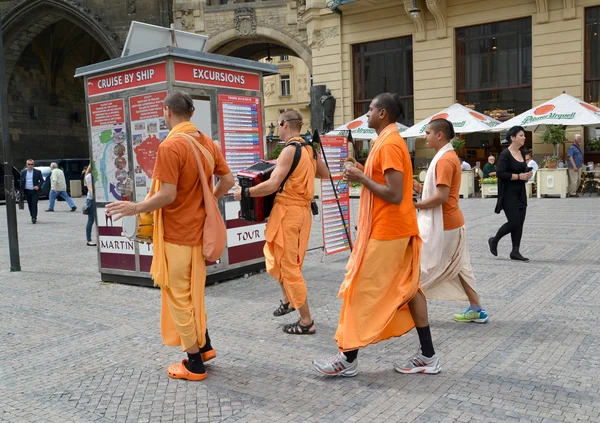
383,66
592,52
285,85
494,65
284,58
493,76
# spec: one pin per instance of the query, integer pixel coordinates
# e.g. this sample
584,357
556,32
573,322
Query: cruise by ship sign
125,80
218,77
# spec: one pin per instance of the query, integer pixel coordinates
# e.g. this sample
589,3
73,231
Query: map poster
109,149
148,129
241,128
335,239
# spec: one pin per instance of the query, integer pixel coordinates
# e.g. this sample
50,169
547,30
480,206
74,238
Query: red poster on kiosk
148,129
125,80
335,239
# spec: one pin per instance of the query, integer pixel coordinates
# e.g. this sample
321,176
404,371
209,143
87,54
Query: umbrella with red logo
562,110
360,129
464,120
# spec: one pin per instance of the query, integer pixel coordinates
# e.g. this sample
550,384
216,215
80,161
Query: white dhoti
442,282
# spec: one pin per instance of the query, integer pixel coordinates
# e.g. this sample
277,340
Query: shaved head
293,119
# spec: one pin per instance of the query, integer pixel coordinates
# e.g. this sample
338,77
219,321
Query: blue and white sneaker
472,316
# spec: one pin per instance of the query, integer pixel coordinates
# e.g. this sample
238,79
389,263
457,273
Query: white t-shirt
534,167
465,166
88,181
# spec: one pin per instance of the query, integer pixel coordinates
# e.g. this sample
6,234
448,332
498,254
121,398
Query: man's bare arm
442,193
224,185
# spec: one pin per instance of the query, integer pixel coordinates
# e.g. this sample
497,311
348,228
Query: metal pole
318,140
9,186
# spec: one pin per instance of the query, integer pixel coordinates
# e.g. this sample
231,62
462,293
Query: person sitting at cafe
464,165
489,170
532,164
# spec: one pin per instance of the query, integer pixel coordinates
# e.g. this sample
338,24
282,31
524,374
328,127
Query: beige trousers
574,181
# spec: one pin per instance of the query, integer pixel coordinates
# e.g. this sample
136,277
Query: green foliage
457,144
593,144
364,153
490,181
275,153
355,184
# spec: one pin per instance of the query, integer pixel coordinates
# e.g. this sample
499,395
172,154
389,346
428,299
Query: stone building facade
44,42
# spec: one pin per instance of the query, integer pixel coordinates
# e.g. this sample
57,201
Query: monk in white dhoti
381,294
176,201
446,272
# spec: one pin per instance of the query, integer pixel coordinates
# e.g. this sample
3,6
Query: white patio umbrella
562,110
465,121
360,129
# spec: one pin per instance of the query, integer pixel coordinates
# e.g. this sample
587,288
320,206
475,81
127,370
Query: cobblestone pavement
73,349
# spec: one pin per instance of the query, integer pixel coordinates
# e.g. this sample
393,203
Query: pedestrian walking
58,188
446,271
381,294
90,205
513,174
31,183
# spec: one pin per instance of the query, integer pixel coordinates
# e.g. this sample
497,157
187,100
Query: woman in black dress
513,174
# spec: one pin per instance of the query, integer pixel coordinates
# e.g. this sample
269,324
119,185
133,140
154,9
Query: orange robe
180,270
288,229
383,269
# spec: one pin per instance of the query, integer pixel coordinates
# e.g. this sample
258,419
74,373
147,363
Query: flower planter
552,182
551,165
489,190
467,184
355,191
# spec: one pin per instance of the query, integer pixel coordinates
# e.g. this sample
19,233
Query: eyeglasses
29,164
286,120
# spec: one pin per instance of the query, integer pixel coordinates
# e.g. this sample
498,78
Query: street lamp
414,11
11,202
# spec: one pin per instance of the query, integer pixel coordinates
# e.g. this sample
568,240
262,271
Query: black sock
207,346
351,355
426,342
195,364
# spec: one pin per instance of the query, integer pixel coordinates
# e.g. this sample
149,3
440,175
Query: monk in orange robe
178,266
288,229
381,294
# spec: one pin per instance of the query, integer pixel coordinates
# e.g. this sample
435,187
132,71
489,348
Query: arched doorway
45,41
288,90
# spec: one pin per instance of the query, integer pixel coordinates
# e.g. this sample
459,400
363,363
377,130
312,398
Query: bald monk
381,294
446,272
288,229
178,266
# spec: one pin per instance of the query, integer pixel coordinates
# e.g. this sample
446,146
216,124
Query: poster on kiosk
124,100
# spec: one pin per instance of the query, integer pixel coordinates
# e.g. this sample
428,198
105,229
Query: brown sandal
299,329
283,309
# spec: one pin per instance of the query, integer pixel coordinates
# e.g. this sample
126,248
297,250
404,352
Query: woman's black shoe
493,246
518,256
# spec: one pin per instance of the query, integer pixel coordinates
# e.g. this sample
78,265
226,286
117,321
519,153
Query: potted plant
550,162
457,144
362,156
593,144
355,188
555,135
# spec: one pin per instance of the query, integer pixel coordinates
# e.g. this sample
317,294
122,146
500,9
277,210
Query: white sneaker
419,364
336,366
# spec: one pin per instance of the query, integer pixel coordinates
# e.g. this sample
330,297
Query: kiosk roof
171,51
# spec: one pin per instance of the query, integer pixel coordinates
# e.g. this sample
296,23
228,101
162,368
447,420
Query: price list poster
148,129
241,129
334,234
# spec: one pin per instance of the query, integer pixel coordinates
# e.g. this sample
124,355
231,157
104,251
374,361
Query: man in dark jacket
31,182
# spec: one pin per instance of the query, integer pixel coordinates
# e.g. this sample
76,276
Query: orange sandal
208,355
179,371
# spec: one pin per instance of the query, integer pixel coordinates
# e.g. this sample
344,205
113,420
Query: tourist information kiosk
125,124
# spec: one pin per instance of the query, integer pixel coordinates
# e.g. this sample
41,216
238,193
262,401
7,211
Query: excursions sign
205,75
132,78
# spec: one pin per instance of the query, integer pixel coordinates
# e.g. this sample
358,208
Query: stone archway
45,41
228,41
